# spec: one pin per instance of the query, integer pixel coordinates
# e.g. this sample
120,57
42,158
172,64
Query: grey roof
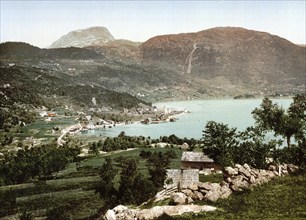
195,157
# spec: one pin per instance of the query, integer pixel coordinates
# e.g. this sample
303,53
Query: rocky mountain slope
86,37
238,56
20,50
119,50
219,62
48,87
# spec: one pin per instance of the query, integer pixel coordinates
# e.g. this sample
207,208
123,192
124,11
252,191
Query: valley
66,112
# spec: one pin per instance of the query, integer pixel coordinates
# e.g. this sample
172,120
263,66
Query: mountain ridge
84,37
218,62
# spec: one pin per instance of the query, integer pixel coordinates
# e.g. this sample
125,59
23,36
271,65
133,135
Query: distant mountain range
218,62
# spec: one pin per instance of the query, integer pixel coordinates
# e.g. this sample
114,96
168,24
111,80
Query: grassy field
74,189
283,198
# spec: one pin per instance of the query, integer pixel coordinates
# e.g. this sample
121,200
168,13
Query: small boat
172,119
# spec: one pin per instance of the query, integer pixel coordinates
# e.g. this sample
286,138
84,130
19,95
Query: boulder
179,198
292,168
148,214
255,172
204,191
193,187
215,187
119,209
198,195
285,172
206,185
188,192
223,183
272,167
271,174
247,167
228,180
181,209
243,171
252,180
157,211
238,166
189,200
225,191
213,195
110,215
229,171
238,183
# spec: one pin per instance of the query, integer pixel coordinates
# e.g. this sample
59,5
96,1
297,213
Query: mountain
218,62
119,49
231,57
20,50
83,38
37,87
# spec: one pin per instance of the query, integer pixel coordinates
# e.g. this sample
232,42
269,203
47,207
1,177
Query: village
105,118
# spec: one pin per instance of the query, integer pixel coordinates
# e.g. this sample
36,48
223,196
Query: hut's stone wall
182,178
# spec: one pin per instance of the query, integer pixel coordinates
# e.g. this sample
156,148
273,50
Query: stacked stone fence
237,178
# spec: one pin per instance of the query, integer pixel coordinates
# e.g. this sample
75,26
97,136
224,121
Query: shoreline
79,129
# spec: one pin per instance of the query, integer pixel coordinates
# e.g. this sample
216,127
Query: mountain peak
84,38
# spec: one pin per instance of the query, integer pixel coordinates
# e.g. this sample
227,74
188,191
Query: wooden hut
198,160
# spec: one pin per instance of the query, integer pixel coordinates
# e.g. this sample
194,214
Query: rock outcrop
124,213
84,38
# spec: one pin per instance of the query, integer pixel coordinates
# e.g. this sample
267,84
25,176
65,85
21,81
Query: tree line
35,162
133,187
227,146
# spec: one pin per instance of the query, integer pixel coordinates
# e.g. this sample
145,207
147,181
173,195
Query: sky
40,23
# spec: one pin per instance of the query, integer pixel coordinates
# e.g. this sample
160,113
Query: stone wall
236,179
182,178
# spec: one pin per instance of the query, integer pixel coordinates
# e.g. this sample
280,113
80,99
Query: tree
94,148
7,201
297,110
128,175
271,117
157,165
25,215
57,213
106,187
219,142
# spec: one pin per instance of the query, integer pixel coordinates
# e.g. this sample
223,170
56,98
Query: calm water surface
235,113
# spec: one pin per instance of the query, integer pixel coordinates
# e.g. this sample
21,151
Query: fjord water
235,113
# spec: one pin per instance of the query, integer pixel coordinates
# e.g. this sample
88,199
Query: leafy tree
57,213
128,175
7,201
271,117
39,161
253,149
157,165
94,148
219,142
106,187
25,215
144,189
